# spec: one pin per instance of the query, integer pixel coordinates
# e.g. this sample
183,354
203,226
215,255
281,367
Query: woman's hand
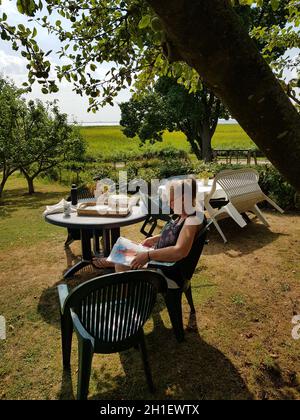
149,242
139,261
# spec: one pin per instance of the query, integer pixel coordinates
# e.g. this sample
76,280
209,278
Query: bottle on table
74,195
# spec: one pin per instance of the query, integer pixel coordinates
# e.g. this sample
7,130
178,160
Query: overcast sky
12,64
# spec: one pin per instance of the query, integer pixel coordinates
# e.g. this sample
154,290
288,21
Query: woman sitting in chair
175,242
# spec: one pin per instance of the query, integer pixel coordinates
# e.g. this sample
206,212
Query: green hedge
145,152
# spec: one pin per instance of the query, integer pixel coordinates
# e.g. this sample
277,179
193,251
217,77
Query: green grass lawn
105,141
21,221
239,346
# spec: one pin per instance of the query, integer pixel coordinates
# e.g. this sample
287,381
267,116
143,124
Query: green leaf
275,4
20,6
21,28
27,7
145,22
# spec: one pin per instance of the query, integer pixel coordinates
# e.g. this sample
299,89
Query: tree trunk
30,184
206,143
2,184
6,174
210,37
196,147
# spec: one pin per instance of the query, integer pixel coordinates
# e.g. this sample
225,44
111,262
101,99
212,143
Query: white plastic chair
243,193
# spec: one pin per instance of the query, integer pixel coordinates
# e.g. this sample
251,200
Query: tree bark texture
210,37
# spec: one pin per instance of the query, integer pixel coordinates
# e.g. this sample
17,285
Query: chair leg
219,230
259,214
146,222
173,301
147,369
153,227
66,339
189,296
69,240
246,217
149,221
274,204
85,356
235,215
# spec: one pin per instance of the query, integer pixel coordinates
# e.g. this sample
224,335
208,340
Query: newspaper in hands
125,250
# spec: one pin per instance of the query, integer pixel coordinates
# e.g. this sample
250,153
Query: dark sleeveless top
170,234
184,269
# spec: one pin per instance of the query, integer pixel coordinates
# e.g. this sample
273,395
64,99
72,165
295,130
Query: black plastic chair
156,212
173,297
108,314
83,193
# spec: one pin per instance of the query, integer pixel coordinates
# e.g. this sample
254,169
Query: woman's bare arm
152,241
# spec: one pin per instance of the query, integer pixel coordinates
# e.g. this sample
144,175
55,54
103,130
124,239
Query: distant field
107,140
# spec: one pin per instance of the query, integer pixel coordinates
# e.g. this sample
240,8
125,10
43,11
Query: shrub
51,174
144,153
150,163
176,167
171,153
147,174
132,170
276,187
100,171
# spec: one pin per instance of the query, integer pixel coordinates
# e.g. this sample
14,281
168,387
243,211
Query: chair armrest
63,293
79,328
160,264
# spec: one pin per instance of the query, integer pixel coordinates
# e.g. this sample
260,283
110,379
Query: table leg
96,242
86,254
115,234
106,242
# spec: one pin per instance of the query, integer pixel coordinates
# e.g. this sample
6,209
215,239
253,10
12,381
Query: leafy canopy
129,36
50,140
33,137
12,141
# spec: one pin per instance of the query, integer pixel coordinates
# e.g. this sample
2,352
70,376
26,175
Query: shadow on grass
190,370
19,198
48,306
66,391
186,371
241,241
193,369
271,377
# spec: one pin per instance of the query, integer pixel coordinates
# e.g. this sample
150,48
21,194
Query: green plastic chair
108,314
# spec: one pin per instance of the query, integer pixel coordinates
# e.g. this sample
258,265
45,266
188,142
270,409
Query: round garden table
109,225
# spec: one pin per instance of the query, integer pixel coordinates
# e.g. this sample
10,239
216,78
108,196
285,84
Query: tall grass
106,141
